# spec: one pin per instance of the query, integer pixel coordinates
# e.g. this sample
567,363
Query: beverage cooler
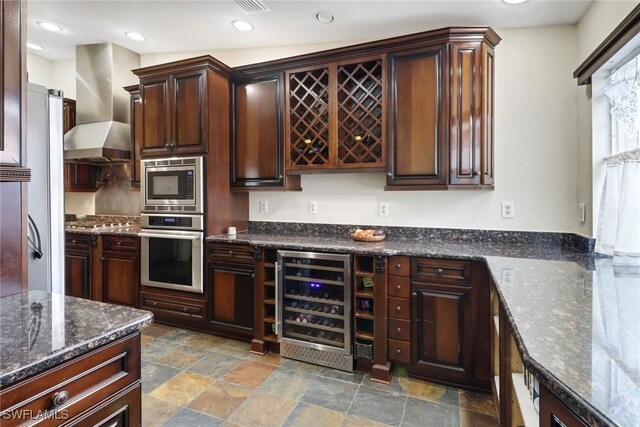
313,317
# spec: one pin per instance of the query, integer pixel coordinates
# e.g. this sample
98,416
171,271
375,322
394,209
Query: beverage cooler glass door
314,313
172,259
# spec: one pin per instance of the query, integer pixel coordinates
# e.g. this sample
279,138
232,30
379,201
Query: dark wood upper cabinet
257,158
135,107
418,118
441,106
335,116
174,103
77,177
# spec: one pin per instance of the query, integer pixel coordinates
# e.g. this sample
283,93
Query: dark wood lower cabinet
554,413
121,270
78,265
442,330
100,388
230,286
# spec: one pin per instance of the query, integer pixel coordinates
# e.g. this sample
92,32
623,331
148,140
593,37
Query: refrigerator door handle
37,247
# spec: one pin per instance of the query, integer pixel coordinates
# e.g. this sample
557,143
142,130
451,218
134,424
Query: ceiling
181,25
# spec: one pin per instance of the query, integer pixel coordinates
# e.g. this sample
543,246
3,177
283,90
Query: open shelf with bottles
363,306
269,300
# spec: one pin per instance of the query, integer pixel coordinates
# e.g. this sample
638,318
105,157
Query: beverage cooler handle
277,309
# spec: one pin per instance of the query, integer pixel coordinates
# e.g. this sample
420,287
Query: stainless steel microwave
172,185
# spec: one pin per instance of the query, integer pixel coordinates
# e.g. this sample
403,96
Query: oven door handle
169,236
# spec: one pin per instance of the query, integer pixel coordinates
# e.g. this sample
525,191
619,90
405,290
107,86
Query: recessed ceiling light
324,17
242,26
514,1
34,46
49,26
135,36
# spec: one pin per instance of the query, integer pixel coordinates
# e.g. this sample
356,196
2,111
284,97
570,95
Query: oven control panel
180,222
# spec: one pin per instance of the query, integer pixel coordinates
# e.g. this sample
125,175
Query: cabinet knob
60,398
102,258
307,141
398,266
185,309
280,177
389,174
487,174
167,145
398,309
398,287
440,271
74,241
118,243
357,138
155,304
230,253
414,294
399,331
476,173
398,350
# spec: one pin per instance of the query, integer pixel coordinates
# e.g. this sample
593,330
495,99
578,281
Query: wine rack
360,126
335,116
309,117
364,298
314,308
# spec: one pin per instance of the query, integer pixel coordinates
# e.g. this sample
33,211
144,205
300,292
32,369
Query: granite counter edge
69,353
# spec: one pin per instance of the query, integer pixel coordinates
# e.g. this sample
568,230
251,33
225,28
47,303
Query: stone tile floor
195,379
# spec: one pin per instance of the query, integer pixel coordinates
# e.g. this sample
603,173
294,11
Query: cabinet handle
389,174
398,287
118,243
230,253
60,398
487,174
398,350
167,145
155,304
398,309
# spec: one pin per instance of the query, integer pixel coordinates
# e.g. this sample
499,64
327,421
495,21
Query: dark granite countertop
576,317
124,231
39,330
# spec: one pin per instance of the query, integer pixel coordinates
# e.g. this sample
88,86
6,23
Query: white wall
596,24
540,116
39,70
535,155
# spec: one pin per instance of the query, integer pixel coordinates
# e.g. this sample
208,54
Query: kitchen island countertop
575,317
40,330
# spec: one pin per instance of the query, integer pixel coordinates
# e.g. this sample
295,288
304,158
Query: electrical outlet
508,210
264,206
582,212
383,209
313,208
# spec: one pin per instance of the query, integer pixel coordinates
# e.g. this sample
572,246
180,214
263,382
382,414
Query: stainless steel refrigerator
44,145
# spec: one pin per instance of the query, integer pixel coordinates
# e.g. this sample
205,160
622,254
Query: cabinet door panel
418,117
231,297
136,137
257,153
156,116
488,115
120,279
442,330
189,112
77,274
465,116
80,177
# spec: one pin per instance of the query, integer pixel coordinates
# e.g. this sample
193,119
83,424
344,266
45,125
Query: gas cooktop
90,225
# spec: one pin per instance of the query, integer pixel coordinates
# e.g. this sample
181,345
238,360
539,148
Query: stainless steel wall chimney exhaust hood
102,134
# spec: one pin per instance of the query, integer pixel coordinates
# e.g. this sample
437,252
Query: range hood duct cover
102,134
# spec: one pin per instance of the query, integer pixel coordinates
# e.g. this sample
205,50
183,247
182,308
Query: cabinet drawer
75,386
399,329
399,266
231,252
399,287
399,308
191,310
121,243
77,241
441,271
399,351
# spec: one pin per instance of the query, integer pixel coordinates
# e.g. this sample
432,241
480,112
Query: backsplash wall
116,198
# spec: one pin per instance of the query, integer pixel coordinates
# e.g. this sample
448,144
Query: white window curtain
618,231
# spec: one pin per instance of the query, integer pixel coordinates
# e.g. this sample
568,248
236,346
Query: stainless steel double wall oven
172,223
